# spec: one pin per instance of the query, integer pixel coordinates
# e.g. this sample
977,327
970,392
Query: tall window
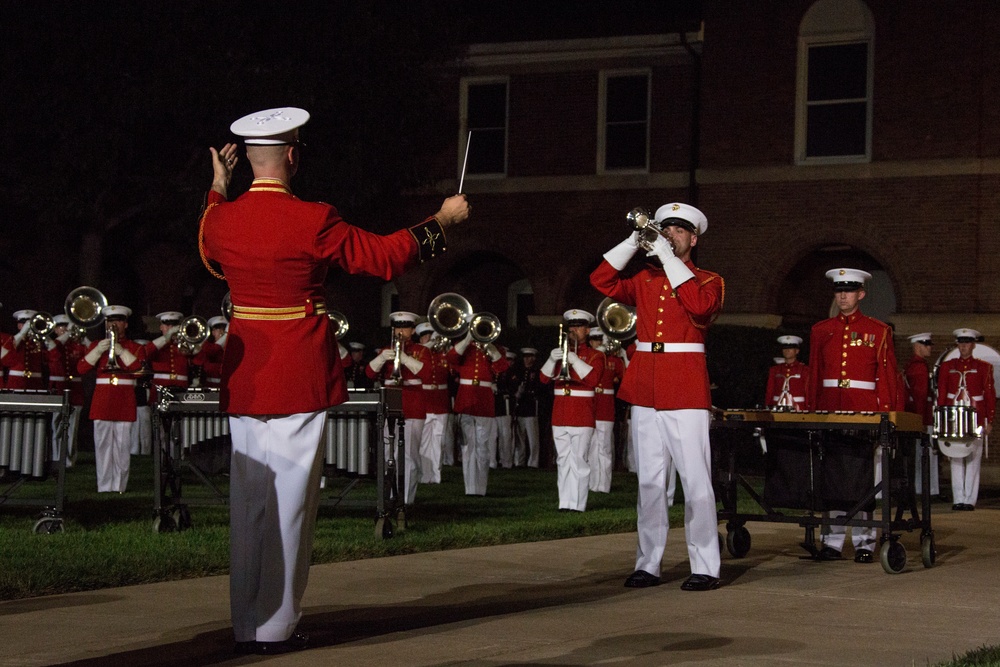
485,111
623,143
833,118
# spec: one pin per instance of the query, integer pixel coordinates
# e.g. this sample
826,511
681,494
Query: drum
957,430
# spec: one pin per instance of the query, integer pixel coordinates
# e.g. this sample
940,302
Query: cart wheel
928,554
164,523
47,526
401,520
383,529
893,557
182,518
738,541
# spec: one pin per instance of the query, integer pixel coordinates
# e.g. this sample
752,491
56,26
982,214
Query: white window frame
602,117
463,134
833,23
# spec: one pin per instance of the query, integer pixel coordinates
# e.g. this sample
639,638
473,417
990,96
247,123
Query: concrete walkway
561,603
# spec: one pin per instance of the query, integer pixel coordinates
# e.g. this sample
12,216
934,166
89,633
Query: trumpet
485,328
397,359
648,228
112,335
616,320
450,315
40,325
191,333
564,346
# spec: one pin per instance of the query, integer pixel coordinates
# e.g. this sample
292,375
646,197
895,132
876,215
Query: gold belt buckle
475,382
657,347
844,384
566,391
173,376
114,381
598,390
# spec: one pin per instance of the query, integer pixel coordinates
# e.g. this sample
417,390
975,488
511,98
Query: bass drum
960,423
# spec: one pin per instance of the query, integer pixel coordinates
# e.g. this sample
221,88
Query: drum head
958,450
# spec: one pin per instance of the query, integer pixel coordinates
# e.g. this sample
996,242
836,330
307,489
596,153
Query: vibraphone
897,495
352,430
26,437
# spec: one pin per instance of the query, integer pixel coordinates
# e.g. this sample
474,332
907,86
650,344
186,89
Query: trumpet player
207,363
601,455
667,384
113,405
570,368
413,370
170,365
26,356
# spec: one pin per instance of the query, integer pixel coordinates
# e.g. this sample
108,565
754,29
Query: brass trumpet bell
485,328
340,324
191,333
85,306
450,315
40,325
616,320
646,225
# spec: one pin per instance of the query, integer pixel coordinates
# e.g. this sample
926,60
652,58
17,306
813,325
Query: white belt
20,374
116,381
170,376
476,383
975,398
57,378
797,399
214,380
575,392
602,390
642,346
850,384
435,386
412,383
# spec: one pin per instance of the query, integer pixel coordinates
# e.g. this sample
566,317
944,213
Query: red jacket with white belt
978,383
799,384
476,375
853,364
573,400
114,393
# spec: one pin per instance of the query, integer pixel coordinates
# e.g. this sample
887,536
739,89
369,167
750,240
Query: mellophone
26,430
904,422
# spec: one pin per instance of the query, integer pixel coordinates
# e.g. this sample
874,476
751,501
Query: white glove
581,367
50,344
126,357
492,352
620,255
556,354
63,338
381,358
462,345
172,331
572,357
222,339
676,270
343,350
19,336
549,367
412,364
119,349
99,351
161,342
662,249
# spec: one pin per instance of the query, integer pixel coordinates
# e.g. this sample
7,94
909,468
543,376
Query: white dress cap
60,319
171,315
685,212
356,347
24,314
124,311
402,318
595,332
271,126
529,350
576,317
924,338
424,328
217,321
790,340
848,280
971,335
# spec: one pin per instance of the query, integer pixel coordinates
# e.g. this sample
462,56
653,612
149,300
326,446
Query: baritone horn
340,324
450,315
191,333
616,320
485,328
85,307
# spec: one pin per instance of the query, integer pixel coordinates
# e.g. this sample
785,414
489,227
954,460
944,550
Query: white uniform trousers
413,430
527,436
601,456
448,441
505,441
918,481
73,427
142,435
479,434
630,447
274,495
112,441
430,448
965,475
667,439
573,471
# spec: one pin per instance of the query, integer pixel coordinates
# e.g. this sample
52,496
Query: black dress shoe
968,508
700,582
245,648
864,556
957,507
297,642
641,579
828,553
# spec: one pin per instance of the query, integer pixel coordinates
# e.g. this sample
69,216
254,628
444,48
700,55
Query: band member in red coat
573,407
171,366
206,364
437,404
476,366
26,356
601,455
789,384
967,381
112,407
920,400
667,384
413,370
281,370
854,369
63,375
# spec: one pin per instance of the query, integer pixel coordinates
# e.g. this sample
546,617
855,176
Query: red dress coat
918,382
978,382
208,362
853,356
612,372
476,375
275,251
437,400
114,392
799,384
170,367
412,383
666,380
568,407
27,364
62,369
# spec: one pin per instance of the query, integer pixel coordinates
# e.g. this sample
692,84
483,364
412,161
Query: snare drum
957,430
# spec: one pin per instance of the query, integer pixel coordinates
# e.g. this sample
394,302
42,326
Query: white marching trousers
965,475
73,428
431,448
601,456
448,441
112,441
274,494
479,435
527,436
142,435
679,439
573,471
505,441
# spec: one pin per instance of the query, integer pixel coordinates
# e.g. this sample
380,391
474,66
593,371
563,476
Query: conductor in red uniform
667,384
281,371
854,370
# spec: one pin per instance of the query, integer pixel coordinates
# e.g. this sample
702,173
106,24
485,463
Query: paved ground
561,603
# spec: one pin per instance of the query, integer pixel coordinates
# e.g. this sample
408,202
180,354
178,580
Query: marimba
812,442
27,433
